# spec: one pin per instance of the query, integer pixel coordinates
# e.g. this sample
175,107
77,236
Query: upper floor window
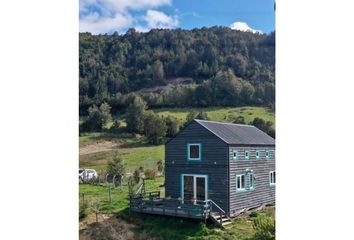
234,154
272,178
258,155
194,151
267,154
247,155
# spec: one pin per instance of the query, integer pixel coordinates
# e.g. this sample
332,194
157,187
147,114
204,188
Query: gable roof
237,133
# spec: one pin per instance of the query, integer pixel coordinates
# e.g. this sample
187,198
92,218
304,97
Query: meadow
96,149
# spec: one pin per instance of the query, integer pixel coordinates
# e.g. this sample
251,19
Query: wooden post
110,194
96,216
83,198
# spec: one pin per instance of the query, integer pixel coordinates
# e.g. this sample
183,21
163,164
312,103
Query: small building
231,164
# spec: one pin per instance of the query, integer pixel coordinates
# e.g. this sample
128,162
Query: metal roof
237,133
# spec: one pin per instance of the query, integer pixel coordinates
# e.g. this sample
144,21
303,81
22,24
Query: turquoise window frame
244,187
270,179
233,154
248,154
267,154
251,176
189,159
258,154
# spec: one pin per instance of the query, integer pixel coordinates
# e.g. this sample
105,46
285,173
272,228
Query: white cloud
102,16
96,24
242,26
157,19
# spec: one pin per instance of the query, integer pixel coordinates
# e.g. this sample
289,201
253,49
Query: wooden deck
152,203
170,207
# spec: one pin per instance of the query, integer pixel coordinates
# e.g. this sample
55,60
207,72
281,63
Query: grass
161,227
223,114
100,194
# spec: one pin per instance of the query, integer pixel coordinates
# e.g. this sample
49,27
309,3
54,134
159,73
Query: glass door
194,188
188,192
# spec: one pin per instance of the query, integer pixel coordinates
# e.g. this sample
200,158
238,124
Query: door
194,187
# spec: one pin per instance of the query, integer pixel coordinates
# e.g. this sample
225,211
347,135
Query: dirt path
107,227
99,146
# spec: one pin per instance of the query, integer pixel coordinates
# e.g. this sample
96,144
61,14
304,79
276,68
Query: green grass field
227,114
136,152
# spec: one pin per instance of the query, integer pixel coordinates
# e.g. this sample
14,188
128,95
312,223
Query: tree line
156,129
227,67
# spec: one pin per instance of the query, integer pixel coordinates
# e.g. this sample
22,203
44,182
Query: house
231,164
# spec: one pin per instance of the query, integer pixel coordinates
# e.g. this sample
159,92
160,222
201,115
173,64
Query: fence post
83,198
110,194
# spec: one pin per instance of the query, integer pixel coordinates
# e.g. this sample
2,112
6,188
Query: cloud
157,19
104,16
96,24
242,26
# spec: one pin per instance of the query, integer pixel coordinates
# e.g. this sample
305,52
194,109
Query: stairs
220,219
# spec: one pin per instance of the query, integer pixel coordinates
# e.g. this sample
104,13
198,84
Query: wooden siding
263,192
214,163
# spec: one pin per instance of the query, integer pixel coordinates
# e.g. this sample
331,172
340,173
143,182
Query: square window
234,154
247,155
194,151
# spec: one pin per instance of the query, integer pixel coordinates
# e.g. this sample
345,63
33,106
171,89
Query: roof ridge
237,124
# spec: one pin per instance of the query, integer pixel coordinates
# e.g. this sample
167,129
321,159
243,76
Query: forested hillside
177,68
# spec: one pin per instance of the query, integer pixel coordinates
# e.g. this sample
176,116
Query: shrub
160,166
116,167
254,214
83,210
264,228
150,173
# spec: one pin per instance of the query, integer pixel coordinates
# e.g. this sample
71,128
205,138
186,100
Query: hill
218,67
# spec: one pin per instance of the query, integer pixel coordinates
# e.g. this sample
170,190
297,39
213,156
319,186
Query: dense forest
214,66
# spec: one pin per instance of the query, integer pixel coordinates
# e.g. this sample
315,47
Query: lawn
162,227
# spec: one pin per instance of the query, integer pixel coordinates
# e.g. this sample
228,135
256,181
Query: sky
108,16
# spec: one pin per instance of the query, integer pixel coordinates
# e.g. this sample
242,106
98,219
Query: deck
152,203
169,207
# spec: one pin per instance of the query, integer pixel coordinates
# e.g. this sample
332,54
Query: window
257,154
240,182
194,152
251,181
234,154
247,155
272,178
267,154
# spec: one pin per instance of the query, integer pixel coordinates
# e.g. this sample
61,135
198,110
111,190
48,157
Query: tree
264,126
240,120
97,117
154,127
116,167
173,126
135,115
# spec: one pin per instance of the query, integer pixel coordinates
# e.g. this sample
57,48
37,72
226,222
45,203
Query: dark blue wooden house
214,170
231,164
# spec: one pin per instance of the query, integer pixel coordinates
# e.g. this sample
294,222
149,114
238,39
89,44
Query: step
226,223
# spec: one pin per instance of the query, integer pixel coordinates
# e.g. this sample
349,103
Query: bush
264,228
254,214
83,210
150,173
116,167
136,176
